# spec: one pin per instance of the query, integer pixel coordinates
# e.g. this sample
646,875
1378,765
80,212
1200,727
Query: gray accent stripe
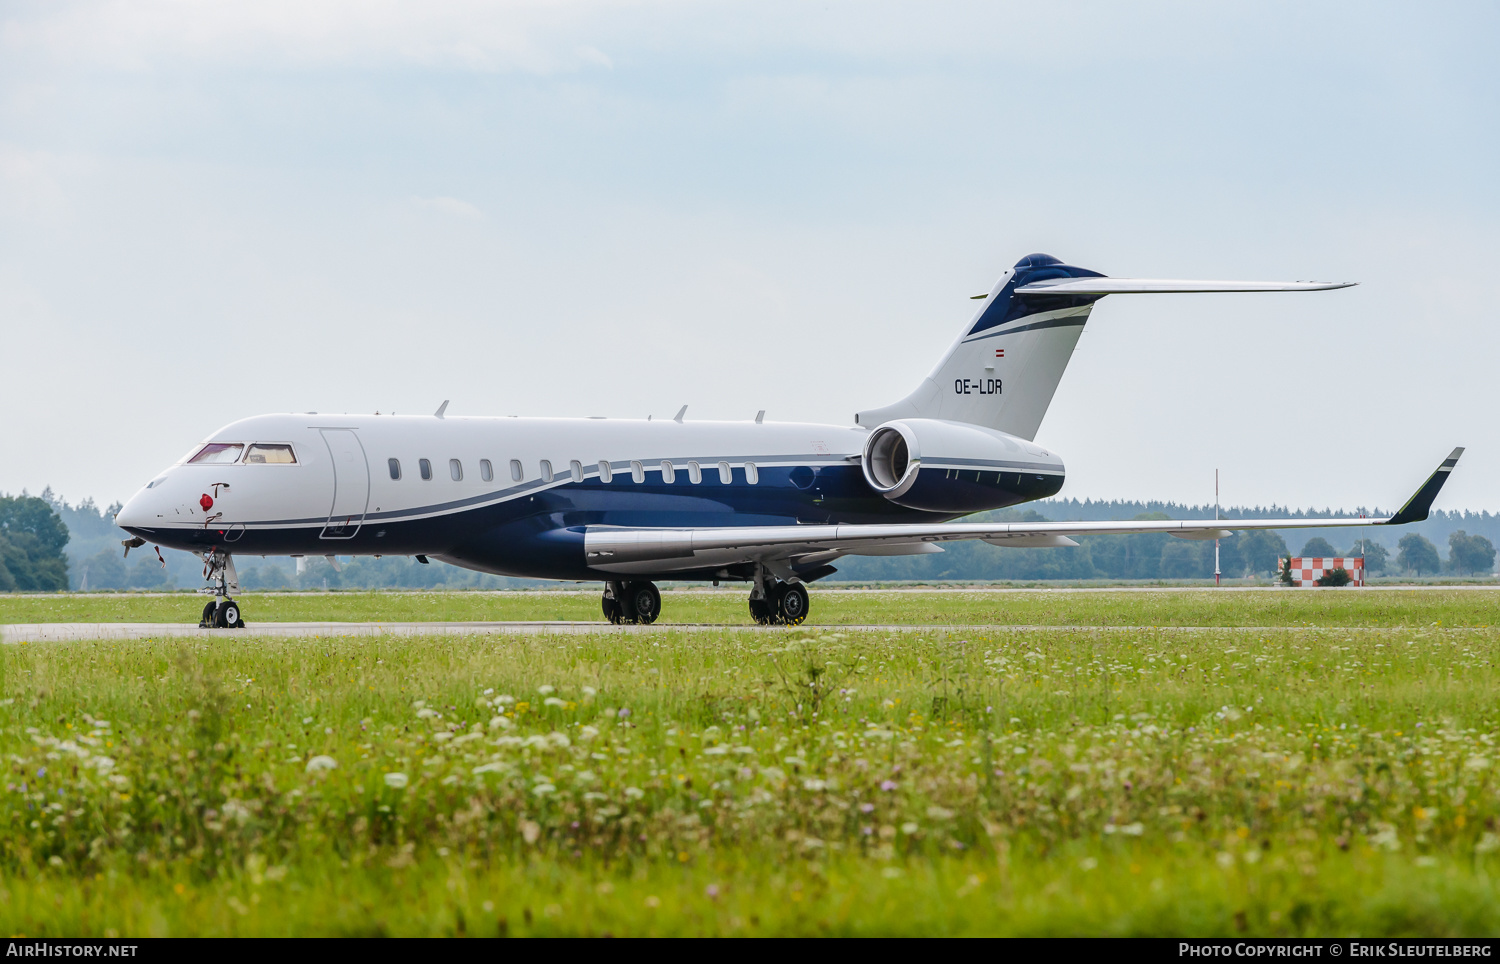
1072,321
983,463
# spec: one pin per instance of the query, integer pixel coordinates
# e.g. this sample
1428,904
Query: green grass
1299,607
729,781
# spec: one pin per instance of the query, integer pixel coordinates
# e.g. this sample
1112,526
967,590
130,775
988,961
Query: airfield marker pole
1216,519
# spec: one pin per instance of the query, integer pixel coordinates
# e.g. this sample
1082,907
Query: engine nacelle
955,467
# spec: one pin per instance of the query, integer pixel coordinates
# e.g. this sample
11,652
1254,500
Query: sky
214,210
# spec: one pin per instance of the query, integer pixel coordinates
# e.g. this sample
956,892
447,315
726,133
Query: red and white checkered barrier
1307,570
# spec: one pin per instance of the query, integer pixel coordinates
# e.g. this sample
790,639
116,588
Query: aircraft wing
788,549
1151,286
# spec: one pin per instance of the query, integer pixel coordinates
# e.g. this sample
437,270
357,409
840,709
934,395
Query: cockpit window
217,453
262,452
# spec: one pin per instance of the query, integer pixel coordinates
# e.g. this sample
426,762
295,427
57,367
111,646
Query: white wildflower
321,763
396,780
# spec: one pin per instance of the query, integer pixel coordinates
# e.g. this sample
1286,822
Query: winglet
441,409
1417,506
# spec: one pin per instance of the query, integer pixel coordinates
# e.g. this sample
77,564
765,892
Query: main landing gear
772,602
777,603
220,612
631,602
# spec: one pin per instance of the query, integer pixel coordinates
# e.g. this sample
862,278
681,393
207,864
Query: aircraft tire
613,612
760,611
644,600
206,621
227,615
791,603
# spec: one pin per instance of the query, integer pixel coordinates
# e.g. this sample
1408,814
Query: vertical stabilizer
1004,368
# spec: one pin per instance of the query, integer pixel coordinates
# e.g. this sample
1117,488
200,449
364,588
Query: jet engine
956,467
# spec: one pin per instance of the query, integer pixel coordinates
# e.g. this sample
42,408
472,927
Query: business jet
629,501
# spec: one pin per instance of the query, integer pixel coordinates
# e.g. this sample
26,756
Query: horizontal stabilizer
1151,286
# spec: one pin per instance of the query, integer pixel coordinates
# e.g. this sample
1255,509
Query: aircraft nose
131,513
141,509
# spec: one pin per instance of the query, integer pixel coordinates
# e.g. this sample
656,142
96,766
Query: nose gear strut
220,612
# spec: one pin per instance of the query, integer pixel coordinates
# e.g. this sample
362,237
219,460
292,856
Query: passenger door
351,483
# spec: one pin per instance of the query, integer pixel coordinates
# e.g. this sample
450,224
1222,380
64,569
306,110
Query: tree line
32,536
1157,555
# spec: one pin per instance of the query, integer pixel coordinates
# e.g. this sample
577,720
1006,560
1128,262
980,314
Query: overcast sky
213,210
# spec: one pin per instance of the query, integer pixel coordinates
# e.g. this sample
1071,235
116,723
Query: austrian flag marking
999,352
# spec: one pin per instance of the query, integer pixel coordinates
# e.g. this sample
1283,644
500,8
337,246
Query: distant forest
48,544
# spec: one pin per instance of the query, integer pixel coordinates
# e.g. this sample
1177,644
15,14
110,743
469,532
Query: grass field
1310,780
1291,607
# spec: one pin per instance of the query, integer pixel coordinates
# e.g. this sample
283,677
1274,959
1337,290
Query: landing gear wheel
642,602
209,614
612,610
760,611
791,603
227,615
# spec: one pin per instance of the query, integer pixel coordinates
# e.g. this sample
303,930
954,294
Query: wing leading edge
632,550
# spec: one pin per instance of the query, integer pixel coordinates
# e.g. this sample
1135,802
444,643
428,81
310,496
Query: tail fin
1004,368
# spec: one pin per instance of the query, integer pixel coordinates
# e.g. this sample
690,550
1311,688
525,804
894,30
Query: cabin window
695,473
637,472
546,470
516,474
606,473
752,474
576,468
424,468
726,474
217,453
263,453
668,472
395,466
456,469
486,471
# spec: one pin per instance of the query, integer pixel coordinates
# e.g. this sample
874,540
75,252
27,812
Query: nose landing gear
220,612
631,602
